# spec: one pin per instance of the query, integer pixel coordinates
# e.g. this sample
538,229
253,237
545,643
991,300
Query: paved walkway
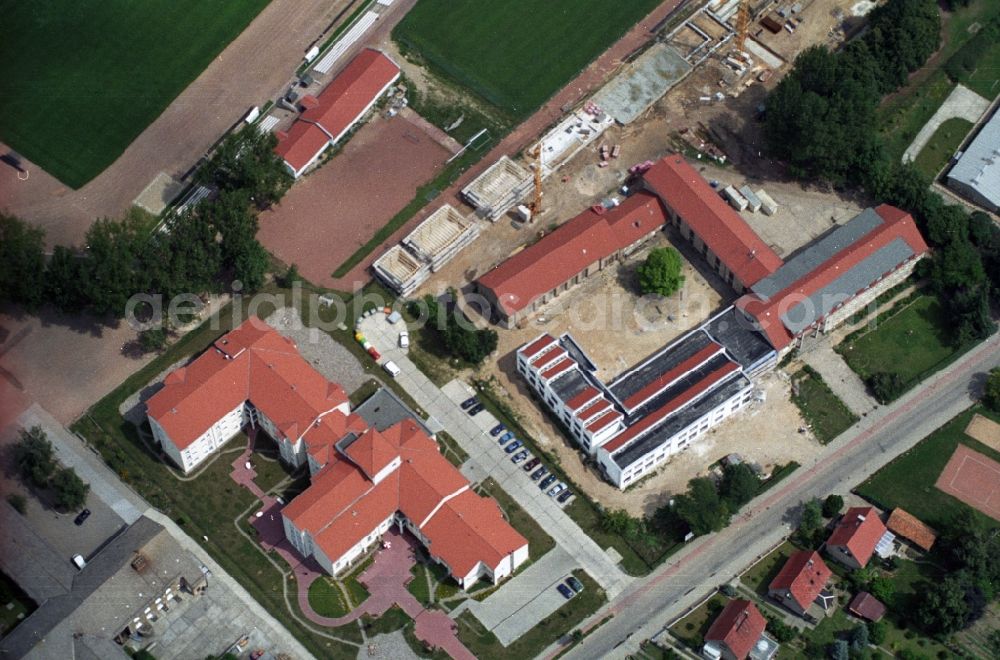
846,384
962,102
486,460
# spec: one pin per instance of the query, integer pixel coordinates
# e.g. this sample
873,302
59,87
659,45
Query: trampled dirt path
250,70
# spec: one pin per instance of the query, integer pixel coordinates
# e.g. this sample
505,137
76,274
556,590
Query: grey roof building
976,175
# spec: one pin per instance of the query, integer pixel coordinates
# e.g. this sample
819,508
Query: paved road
486,459
962,102
646,605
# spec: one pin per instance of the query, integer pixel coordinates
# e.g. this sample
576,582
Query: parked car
513,447
565,591
468,403
392,368
404,339
506,437
555,490
375,354
519,456
476,409
565,495
79,561
537,474
574,584
497,430
81,517
530,465
547,481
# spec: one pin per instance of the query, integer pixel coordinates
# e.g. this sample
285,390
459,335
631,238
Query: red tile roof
583,398
720,227
548,357
530,350
252,363
342,505
738,626
596,407
604,421
338,106
866,606
859,531
897,225
804,575
559,368
658,415
371,452
671,375
902,523
562,254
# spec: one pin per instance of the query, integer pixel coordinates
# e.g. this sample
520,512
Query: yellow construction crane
536,203
742,24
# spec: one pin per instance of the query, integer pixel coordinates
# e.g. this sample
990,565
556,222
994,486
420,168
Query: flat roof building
976,175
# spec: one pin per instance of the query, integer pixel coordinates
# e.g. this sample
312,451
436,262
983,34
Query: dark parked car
506,437
565,495
574,584
513,447
532,464
468,403
565,591
537,474
547,481
476,409
497,430
82,517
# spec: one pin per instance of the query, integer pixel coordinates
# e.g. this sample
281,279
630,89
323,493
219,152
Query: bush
781,631
34,456
832,505
70,490
991,391
19,502
886,386
153,339
877,631
839,650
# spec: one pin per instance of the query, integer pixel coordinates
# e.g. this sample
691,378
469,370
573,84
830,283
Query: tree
991,391
110,274
701,507
832,505
811,523
660,273
291,276
840,650
739,485
34,456
886,386
883,589
245,161
251,266
22,264
877,631
943,608
70,491
858,638
64,279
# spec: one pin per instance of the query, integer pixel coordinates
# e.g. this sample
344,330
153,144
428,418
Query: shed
771,23
866,606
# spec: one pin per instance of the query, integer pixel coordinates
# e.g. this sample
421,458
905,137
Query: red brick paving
588,81
327,216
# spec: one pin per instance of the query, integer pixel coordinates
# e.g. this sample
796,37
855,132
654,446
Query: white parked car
391,368
404,339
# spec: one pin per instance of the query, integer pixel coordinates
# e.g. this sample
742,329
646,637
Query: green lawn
825,413
692,628
515,54
942,146
483,644
418,586
452,450
908,481
985,80
911,342
79,80
760,576
326,598
539,542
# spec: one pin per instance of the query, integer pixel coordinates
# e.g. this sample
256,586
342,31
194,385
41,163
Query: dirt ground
255,66
335,210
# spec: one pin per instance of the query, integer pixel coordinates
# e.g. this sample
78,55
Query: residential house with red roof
857,536
715,229
802,582
374,480
582,246
738,633
330,116
906,525
250,376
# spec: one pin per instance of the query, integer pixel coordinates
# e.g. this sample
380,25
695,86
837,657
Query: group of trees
660,273
206,245
35,458
455,331
991,391
821,120
707,507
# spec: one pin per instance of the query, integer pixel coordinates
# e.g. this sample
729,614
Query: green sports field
516,53
80,79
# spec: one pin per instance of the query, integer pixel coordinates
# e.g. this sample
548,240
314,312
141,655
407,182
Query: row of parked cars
532,464
570,587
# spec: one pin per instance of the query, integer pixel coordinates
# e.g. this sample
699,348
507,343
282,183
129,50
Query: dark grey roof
679,387
30,561
384,409
680,420
740,338
569,385
657,364
866,272
111,559
979,165
818,253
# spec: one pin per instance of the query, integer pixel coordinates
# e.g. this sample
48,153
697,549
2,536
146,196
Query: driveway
962,102
487,460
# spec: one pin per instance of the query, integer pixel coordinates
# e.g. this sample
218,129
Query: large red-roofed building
330,116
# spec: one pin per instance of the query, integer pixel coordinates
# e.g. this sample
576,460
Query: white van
391,368
79,561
